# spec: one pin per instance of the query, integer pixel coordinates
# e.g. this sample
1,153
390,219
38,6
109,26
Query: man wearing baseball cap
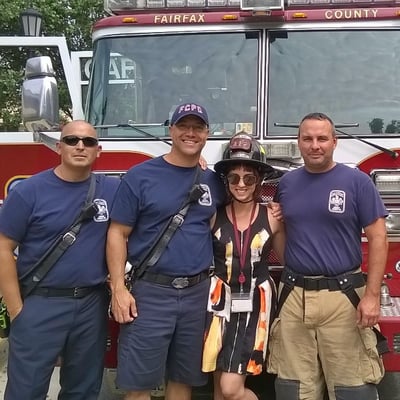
162,322
189,109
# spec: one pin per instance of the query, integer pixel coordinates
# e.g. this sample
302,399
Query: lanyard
242,249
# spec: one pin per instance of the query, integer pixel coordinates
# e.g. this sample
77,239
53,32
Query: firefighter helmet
243,149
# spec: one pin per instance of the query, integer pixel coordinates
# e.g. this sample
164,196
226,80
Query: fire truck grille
267,194
396,343
389,324
268,190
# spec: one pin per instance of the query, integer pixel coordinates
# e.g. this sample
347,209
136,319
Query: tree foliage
70,18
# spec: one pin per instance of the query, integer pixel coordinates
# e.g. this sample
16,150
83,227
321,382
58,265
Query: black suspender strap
347,288
169,229
381,341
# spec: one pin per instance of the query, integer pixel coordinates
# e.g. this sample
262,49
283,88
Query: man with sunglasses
162,318
66,314
323,336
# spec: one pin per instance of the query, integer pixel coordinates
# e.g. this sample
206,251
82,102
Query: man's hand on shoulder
276,210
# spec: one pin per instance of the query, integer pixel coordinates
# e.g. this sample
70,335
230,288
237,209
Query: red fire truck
256,65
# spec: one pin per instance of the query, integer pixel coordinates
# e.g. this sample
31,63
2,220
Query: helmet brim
222,167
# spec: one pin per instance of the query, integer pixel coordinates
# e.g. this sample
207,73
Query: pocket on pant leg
371,363
274,344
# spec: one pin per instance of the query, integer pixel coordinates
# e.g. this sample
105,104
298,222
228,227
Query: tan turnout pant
315,341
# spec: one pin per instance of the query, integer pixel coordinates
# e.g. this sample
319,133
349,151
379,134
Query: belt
339,282
76,292
180,282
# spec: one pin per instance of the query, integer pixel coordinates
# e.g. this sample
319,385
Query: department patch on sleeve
103,214
205,199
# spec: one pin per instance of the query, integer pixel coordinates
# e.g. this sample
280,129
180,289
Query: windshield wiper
136,129
391,153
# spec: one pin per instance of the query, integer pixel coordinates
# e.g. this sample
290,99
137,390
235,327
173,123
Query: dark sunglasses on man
73,140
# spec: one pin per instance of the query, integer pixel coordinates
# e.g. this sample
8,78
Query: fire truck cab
257,66
260,66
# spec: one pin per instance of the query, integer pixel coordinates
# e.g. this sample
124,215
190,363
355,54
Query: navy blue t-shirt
40,208
149,194
324,214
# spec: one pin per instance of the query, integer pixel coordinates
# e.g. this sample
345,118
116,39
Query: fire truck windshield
255,80
350,75
150,75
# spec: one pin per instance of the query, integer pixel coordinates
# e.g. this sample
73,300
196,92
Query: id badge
241,302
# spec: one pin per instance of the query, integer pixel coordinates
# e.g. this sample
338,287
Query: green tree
376,125
391,128
70,18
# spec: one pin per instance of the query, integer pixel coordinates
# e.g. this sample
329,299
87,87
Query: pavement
109,392
3,365
53,389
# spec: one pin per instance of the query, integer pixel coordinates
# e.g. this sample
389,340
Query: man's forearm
377,256
116,258
9,284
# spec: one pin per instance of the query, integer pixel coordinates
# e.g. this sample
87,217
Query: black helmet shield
243,149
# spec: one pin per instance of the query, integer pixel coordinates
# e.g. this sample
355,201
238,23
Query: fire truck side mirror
40,108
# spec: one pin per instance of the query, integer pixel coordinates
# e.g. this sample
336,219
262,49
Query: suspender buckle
178,219
69,238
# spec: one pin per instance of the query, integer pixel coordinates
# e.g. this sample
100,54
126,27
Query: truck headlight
393,221
387,181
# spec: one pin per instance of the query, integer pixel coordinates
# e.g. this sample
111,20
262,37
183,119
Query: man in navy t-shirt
321,338
162,318
66,314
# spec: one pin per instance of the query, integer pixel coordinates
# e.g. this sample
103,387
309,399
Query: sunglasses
72,140
248,179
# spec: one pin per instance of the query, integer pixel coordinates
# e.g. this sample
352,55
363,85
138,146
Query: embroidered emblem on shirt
337,201
103,214
205,199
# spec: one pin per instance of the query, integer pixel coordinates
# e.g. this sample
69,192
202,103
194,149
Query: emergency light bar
261,5
333,3
288,150
116,7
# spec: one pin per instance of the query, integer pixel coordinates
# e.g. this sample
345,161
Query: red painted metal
187,16
19,161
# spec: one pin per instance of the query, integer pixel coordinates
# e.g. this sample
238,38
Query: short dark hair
320,117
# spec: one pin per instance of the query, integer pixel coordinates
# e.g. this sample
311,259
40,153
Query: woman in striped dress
242,293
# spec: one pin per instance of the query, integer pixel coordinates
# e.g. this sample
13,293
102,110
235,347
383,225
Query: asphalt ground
262,385
53,389
109,392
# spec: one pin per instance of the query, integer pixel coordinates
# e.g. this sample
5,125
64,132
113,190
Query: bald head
79,128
